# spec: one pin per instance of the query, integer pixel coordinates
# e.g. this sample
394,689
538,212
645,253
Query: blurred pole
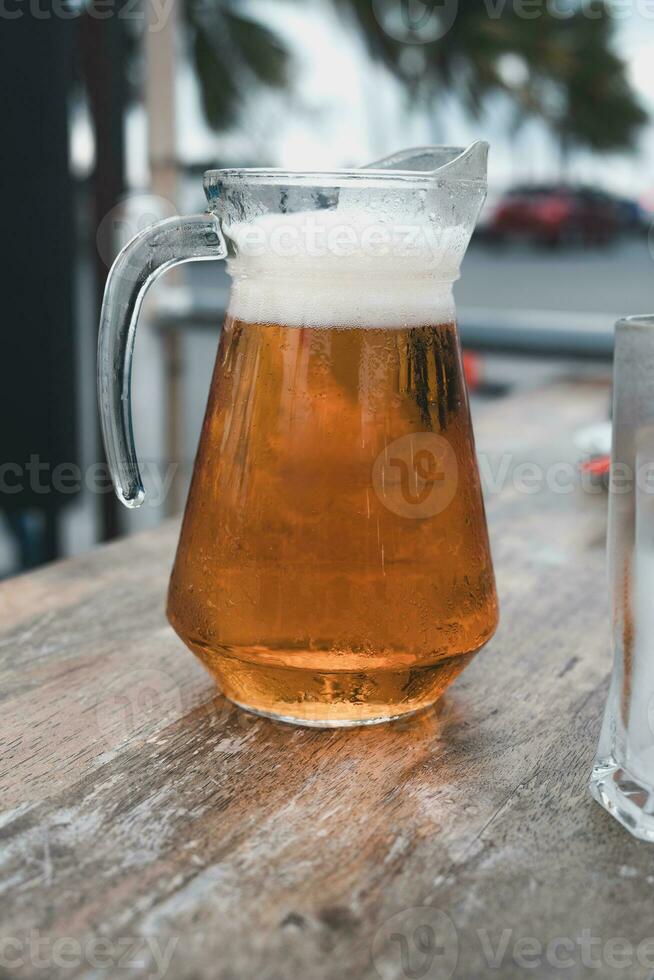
38,379
104,63
162,153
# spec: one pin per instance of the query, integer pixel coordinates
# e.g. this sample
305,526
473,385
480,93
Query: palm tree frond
229,52
576,84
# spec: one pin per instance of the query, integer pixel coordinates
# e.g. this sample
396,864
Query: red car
555,215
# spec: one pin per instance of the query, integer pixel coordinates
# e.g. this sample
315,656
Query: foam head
378,246
344,267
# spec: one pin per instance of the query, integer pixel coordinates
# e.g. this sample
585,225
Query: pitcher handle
142,260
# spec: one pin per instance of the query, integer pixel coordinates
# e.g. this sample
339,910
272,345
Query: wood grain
140,807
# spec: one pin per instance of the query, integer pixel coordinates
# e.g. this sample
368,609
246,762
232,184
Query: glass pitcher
333,567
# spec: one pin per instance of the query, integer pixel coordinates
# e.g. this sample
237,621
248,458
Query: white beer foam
330,268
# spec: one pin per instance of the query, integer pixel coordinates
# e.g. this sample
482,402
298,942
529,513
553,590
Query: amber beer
334,565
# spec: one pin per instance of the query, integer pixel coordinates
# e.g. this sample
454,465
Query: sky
345,111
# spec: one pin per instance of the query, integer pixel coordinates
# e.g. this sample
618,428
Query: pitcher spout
453,162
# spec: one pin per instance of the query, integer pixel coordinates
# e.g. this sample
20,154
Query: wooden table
147,822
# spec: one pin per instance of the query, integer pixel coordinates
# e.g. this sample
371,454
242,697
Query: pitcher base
628,799
331,699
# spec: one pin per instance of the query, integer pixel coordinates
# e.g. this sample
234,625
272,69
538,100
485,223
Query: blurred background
114,109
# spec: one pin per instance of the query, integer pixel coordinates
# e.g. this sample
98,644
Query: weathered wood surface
139,807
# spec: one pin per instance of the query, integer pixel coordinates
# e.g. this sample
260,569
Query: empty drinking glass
623,776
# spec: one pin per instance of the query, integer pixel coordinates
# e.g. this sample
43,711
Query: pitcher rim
275,175
351,175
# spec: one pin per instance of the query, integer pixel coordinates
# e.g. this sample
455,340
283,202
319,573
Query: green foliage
231,51
573,80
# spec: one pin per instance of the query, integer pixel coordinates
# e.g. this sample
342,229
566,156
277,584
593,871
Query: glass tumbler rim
644,321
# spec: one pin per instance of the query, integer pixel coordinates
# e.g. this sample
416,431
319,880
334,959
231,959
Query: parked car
632,217
556,215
